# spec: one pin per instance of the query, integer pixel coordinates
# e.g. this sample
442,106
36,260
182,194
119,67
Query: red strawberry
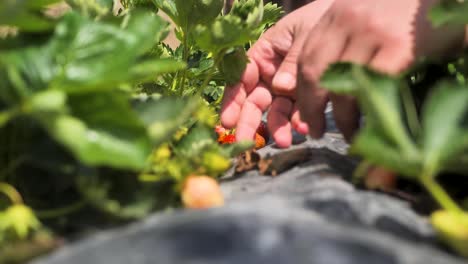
227,139
262,130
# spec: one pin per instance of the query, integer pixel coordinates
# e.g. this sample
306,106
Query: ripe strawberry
201,192
259,141
263,131
227,139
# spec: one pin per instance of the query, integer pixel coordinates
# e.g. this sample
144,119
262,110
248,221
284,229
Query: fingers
284,80
360,49
324,45
346,115
278,121
251,113
391,60
234,97
311,102
298,125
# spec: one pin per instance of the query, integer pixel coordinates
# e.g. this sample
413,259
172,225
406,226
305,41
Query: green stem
361,171
391,124
410,109
11,193
181,75
185,56
54,213
10,167
209,76
439,194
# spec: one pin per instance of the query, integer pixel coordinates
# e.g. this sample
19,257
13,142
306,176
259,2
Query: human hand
388,36
269,80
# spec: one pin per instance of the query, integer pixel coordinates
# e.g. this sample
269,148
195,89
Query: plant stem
54,213
181,75
410,109
10,167
217,61
439,194
392,123
185,56
11,193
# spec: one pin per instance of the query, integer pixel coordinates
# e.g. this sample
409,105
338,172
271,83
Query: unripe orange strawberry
201,192
259,141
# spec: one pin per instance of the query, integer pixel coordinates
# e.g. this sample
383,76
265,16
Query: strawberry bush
101,122
100,119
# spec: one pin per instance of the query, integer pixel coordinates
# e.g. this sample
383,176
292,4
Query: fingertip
283,137
243,133
302,128
284,82
229,115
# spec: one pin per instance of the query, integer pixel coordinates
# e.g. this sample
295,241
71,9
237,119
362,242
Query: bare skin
286,63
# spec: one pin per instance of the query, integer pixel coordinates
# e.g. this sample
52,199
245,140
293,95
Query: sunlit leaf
376,149
233,65
378,97
163,117
97,136
122,195
443,115
99,55
198,138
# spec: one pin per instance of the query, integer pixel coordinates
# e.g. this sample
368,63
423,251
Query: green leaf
271,14
24,72
95,55
443,133
449,12
198,138
338,78
48,101
189,13
119,194
148,69
378,97
194,12
225,32
94,8
101,129
249,11
232,150
164,116
370,144
233,65
26,15
168,7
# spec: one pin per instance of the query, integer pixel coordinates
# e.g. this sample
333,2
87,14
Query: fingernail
284,80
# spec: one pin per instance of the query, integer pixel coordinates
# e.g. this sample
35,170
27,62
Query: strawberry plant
98,116
420,139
